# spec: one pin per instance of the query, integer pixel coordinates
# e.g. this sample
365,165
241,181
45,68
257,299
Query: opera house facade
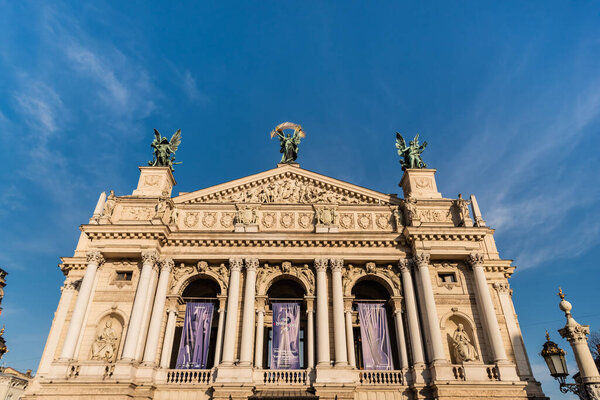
285,284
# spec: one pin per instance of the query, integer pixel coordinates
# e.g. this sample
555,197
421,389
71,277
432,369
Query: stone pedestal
246,227
155,182
419,184
322,228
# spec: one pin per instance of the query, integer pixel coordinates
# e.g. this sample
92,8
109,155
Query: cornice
436,233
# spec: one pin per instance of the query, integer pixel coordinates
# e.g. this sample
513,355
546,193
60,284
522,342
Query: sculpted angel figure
289,143
164,150
104,346
411,154
463,349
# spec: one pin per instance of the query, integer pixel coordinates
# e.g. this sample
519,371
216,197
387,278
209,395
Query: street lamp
587,386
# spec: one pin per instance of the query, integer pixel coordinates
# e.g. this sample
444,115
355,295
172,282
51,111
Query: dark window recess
124,275
447,277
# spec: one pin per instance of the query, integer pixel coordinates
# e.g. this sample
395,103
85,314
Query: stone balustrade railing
285,377
190,376
381,377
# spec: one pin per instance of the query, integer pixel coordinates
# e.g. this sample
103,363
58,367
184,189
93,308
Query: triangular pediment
287,184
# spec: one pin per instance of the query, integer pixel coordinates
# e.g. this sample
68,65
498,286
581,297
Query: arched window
202,293
374,300
285,326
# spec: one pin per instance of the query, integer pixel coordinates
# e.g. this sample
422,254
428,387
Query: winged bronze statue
411,154
164,150
289,144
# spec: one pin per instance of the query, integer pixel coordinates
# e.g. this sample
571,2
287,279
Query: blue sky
506,93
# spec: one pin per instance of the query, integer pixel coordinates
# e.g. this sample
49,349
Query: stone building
285,284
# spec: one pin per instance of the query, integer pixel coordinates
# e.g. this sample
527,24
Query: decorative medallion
364,221
209,219
247,215
151,180
287,219
423,183
268,219
227,219
383,221
191,219
327,216
347,221
305,220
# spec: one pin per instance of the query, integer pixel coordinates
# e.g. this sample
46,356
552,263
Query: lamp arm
578,390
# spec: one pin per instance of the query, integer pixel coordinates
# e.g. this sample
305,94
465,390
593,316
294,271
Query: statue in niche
411,154
463,349
289,144
164,150
109,206
104,348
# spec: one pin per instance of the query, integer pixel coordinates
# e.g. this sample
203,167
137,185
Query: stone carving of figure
104,346
410,207
463,349
109,206
161,208
463,208
173,217
398,217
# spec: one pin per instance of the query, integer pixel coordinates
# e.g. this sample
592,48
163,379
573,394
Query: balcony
189,376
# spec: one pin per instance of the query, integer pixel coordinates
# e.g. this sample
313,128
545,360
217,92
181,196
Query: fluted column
165,356
220,327
349,333
158,311
400,339
414,332
94,260
322,314
68,290
235,266
339,329
149,259
248,313
310,332
431,315
486,307
260,332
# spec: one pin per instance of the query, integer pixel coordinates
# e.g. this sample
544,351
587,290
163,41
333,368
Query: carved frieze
227,219
268,219
191,219
347,220
305,220
137,213
364,220
209,219
432,215
287,220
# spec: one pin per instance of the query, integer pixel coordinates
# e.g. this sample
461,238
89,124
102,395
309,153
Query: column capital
222,302
235,264
502,287
71,285
321,264
149,256
167,265
310,303
405,264
251,264
348,303
475,260
422,260
337,264
95,257
396,302
261,301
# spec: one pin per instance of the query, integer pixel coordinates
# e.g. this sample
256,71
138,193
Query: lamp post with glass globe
587,384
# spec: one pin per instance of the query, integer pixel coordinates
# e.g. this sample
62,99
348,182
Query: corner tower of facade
285,283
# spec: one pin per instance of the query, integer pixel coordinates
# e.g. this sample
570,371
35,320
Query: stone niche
107,339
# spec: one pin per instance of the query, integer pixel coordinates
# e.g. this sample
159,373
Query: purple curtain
375,336
195,338
285,352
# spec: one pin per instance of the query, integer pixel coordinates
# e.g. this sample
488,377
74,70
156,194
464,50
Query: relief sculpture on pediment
289,191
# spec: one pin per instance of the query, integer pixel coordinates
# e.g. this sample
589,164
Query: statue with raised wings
164,150
411,154
289,143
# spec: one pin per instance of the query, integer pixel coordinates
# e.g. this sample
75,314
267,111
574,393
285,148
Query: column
141,341
248,313
260,332
310,332
350,333
149,259
165,356
220,326
158,311
400,340
322,314
504,294
486,307
94,260
235,266
416,344
68,290
431,315
339,330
